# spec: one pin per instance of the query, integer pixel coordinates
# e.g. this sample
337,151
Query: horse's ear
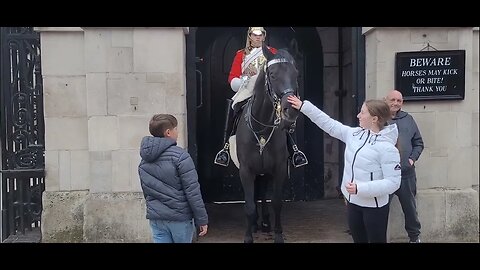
293,48
266,52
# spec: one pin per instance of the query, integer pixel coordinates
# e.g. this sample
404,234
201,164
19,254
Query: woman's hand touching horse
295,101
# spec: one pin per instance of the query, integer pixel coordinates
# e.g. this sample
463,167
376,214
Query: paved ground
33,236
322,221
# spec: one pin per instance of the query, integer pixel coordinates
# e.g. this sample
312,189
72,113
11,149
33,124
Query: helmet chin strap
251,44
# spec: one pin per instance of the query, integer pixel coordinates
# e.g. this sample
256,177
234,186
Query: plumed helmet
257,30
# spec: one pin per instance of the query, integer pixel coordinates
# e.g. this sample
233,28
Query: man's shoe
299,159
414,240
222,158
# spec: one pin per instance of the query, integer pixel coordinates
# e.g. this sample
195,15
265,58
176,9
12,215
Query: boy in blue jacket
170,185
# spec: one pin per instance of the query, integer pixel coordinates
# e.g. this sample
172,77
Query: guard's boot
298,157
223,157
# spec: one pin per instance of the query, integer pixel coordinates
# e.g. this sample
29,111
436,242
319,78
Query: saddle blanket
233,150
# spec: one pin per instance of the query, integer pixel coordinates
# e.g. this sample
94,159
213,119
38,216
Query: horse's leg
278,180
248,183
257,195
263,188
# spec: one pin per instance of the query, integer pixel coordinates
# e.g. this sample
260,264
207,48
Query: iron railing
21,129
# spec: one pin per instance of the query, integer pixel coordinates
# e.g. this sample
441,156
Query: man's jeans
164,231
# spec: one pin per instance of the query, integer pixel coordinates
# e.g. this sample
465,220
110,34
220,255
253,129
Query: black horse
261,138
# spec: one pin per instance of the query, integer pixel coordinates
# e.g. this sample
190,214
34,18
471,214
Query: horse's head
281,80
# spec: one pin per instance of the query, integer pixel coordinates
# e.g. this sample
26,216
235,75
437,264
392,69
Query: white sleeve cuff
235,84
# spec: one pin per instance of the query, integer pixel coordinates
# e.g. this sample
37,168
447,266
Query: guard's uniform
244,73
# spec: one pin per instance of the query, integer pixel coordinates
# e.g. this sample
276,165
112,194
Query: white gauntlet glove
236,83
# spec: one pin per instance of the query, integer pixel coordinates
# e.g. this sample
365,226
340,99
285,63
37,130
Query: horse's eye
272,76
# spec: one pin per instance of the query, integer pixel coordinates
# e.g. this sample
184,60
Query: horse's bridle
273,96
275,99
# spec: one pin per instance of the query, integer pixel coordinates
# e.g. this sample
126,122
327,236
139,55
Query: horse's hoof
248,240
279,238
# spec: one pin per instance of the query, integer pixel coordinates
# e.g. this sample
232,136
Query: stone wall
101,87
447,171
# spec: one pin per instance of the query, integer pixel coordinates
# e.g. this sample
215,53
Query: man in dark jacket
410,145
170,184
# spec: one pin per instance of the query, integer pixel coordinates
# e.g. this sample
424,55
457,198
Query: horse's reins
276,107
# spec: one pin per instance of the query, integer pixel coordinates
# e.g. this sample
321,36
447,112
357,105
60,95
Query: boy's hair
160,123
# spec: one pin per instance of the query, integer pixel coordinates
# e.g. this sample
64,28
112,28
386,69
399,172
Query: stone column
447,171
102,86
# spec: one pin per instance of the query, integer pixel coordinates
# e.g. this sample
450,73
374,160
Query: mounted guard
243,75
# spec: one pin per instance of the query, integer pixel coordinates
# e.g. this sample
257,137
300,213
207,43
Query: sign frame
430,75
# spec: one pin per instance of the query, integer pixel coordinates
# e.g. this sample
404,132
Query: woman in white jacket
372,165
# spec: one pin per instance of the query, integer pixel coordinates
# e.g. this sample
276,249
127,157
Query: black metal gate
22,133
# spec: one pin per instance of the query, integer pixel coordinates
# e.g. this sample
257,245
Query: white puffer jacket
371,160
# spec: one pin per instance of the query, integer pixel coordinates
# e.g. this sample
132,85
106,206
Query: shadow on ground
323,221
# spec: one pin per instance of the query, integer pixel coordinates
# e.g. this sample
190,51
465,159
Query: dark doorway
214,49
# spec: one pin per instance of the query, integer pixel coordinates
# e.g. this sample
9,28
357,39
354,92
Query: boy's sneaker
414,240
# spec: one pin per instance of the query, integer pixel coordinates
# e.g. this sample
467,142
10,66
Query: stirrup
223,157
302,159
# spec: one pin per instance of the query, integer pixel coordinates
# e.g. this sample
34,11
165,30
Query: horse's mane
281,53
